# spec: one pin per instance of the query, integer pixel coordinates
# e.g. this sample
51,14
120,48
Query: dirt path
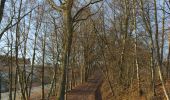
87,91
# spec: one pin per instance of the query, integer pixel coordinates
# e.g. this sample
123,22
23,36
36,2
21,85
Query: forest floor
96,88
132,93
90,90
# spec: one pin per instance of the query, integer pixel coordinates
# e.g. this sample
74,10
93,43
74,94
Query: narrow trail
90,90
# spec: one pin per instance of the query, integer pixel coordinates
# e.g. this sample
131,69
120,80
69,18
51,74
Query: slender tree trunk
24,77
168,57
163,31
55,59
146,20
125,36
9,61
136,55
0,84
159,64
2,4
11,71
43,66
38,25
18,72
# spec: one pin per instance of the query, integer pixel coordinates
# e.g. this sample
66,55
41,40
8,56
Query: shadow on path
90,90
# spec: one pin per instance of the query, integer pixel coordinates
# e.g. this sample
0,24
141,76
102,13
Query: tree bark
68,31
2,9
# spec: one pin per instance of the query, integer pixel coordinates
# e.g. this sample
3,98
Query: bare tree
159,64
68,20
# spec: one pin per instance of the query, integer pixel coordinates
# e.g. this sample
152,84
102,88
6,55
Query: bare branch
167,4
88,16
60,1
8,26
54,6
81,9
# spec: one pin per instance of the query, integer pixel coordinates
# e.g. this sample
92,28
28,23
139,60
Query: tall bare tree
65,9
159,63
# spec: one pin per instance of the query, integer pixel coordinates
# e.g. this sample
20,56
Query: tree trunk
43,66
136,55
0,84
68,32
2,4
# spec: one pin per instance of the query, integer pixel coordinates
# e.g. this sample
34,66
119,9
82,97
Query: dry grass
132,93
